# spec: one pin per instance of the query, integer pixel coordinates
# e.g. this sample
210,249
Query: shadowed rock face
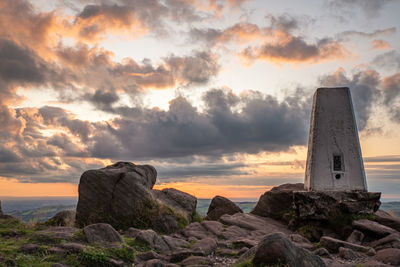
220,206
278,201
121,195
278,249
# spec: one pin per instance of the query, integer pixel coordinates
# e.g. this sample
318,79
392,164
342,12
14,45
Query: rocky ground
297,233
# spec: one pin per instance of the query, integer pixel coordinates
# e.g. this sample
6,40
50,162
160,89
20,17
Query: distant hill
41,214
44,213
391,207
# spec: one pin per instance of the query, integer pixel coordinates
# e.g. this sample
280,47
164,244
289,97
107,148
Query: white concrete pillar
334,160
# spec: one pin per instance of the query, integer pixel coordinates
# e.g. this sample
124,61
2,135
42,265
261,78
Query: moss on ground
14,234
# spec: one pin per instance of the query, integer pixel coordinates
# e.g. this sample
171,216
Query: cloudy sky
216,94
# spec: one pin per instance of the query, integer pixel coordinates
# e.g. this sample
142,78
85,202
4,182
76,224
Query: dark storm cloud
389,60
391,92
377,33
103,100
364,87
263,124
7,155
18,64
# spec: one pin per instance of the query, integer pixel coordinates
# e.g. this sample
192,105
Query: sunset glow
215,94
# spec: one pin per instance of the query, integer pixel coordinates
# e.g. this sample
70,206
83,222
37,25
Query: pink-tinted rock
389,256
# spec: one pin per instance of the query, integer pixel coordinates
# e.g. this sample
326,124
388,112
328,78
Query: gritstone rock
62,218
220,206
277,249
121,195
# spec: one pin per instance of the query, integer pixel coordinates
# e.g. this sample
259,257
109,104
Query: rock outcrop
316,211
220,206
121,195
325,205
62,218
278,202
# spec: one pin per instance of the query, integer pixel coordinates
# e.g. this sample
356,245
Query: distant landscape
41,209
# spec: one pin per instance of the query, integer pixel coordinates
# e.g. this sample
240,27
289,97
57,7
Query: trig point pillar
334,160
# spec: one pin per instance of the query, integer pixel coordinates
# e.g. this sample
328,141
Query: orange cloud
379,45
95,21
296,50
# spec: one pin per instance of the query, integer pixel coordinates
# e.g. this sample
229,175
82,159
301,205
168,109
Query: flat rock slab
55,234
253,222
196,230
390,241
389,256
196,260
333,244
386,219
205,246
373,227
72,247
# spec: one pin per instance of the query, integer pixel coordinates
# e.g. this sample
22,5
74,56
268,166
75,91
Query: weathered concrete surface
334,160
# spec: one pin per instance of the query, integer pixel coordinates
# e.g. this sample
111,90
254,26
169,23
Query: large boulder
220,206
181,202
327,205
276,249
278,202
121,195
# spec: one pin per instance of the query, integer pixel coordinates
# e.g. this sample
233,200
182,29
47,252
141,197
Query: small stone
102,233
152,239
323,252
242,250
175,243
115,262
56,250
205,246
348,254
196,260
154,263
73,247
29,248
180,255
132,232
356,237
213,227
149,255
